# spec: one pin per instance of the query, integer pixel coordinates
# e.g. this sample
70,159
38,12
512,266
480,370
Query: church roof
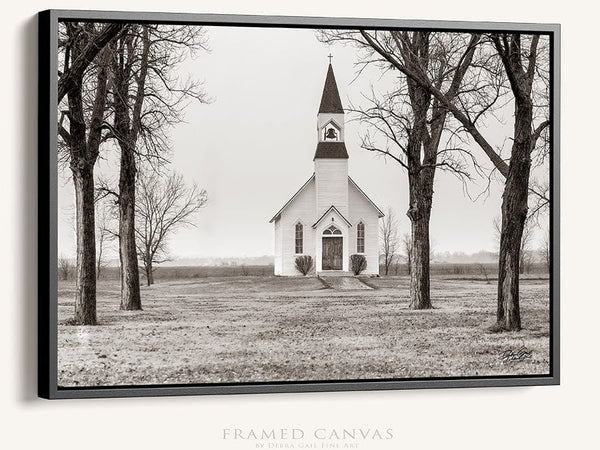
331,149
330,100
331,208
312,177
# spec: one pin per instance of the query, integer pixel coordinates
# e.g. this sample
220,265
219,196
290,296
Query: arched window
360,237
299,236
332,230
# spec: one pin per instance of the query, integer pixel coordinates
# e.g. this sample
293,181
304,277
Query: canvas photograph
298,205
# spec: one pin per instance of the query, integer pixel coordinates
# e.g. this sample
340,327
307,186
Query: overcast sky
252,147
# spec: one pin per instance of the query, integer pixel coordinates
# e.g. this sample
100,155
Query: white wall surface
362,210
509,418
331,176
302,210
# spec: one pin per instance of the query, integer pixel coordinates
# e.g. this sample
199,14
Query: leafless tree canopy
149,94
65,267
95,41
163,205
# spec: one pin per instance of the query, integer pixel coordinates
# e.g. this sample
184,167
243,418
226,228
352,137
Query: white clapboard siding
331,177
278,267
361,209
301,209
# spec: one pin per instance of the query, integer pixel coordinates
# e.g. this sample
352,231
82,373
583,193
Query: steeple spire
330,122
330,100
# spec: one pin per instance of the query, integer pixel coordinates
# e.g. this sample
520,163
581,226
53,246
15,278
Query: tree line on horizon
395,250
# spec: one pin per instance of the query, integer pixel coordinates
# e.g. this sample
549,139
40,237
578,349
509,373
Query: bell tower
331,156
330,118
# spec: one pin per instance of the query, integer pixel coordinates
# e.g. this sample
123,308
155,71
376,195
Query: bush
358,263
304,264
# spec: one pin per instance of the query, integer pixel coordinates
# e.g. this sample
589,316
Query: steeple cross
330,56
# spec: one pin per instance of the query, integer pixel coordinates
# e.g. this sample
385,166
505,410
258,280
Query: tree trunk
514,213
99,259
127,128
130,277
149,273
85,297
421,156
421,191
82,167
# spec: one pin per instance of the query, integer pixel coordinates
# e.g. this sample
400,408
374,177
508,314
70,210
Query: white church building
329,217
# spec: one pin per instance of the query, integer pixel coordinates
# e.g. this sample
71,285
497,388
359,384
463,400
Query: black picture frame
48,226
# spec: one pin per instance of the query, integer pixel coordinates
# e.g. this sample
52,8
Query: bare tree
65,267
546,251
148,98
105,231
483,270
163,205
526,252
80,136
407,249
525,64
95,42
539,199
389,239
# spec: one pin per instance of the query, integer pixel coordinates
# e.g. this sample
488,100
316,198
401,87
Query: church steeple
330,121
331,156
330,100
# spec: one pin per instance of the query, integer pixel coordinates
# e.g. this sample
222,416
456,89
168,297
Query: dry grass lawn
253,329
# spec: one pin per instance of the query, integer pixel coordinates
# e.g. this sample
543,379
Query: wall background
550,417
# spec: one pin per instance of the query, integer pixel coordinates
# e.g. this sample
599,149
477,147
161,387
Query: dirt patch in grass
253,329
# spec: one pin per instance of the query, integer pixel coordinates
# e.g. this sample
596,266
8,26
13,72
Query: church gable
308,186
332,213
357,196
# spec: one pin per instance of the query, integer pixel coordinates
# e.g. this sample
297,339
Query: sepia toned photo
249,205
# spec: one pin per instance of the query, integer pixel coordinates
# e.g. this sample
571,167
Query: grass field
252,329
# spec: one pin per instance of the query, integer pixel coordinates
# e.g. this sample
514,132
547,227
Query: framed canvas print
247,204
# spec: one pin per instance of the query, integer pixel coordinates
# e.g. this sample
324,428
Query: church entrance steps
343,282
334,273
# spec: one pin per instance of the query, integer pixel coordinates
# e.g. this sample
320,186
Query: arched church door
333,249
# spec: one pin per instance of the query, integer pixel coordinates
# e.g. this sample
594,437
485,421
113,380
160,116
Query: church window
299,238
332,230
360,238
